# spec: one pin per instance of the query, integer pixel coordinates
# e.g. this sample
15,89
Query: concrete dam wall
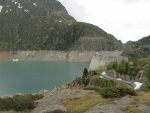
105,57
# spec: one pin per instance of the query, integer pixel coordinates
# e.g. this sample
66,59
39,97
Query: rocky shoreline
72,56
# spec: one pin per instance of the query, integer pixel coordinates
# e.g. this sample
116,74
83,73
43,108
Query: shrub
117,92
147,73
100,82
85,78
18,102
78,81
110,92
124,90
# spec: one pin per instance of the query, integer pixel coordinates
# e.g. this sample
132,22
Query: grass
84,103
131,109
57,111
142,97
15,111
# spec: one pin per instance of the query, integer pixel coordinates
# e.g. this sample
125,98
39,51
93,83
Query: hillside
138,49
46,25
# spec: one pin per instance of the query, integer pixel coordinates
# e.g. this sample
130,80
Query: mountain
46,25
137,49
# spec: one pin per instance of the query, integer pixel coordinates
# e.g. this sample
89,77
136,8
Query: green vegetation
84,103
131,109
92,79
105,87
142,97
126,68
19,102
48,27
85,78
117,91
100,82
147,74
138,49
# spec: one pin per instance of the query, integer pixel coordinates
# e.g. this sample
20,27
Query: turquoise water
32,76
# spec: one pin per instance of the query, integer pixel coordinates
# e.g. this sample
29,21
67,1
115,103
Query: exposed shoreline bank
72,56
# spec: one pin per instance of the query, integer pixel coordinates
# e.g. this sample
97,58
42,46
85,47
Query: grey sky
125,19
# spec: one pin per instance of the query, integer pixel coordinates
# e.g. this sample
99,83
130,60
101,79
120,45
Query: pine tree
85,79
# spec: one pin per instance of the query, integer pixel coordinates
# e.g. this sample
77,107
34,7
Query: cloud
75,8
126,21
131,1
134,1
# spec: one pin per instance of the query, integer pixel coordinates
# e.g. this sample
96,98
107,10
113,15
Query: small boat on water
15,60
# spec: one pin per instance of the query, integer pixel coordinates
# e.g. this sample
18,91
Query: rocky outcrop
54,100
117,107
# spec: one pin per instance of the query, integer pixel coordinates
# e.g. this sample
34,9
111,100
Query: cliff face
46,25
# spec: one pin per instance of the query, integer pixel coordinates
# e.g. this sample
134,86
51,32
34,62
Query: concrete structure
103,58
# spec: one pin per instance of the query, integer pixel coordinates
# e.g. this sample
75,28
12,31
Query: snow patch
26,10
103,73
34,4
137,85
119,79
1,7
15,60
101,77
19,6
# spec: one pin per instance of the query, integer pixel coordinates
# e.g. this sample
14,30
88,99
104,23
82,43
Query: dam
103,58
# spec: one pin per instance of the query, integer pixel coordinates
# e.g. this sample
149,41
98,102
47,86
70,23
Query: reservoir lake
33,76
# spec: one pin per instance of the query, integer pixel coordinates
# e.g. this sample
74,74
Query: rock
54,100
112,108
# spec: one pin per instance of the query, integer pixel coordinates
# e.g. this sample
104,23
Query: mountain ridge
46,25
137,49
